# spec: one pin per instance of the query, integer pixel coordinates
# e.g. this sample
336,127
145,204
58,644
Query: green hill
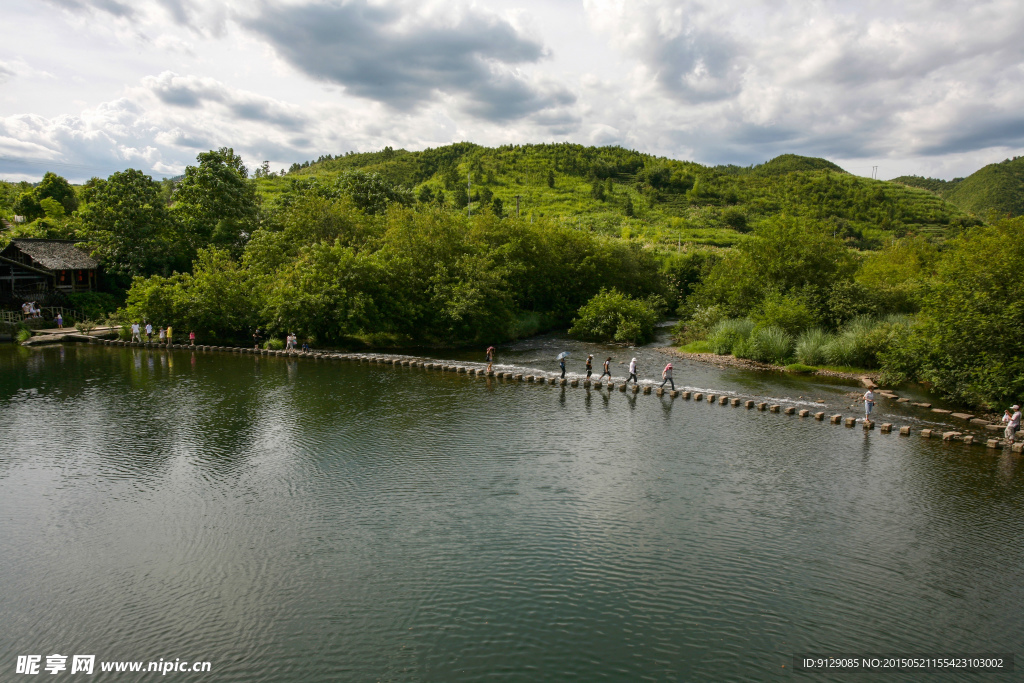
789,163
624,192
996,187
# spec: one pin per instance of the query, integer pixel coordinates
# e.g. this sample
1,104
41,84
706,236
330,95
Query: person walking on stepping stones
135,333
869,403
149,332
490,357
632,372
590,365
561,364
607,369
666,376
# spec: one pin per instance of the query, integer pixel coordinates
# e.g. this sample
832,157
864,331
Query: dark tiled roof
56,254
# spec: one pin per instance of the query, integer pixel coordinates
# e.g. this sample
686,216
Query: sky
924,87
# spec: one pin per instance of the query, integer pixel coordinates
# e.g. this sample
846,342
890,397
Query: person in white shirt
869,404
136,335
1012,421
149,332
632,372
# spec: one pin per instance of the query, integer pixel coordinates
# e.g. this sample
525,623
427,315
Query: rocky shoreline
747,364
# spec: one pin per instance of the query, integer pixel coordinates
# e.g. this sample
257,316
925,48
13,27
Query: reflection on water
318,521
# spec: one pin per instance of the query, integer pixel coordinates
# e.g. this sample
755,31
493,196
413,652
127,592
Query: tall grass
727,333
810,346
771,345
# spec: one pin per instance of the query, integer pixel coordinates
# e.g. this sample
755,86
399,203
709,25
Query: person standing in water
490,357
607,369
632,372
561,363
1012,423
666,376
869,403
590,365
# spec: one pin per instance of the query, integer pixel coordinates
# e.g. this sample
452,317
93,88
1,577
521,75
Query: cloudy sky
932,87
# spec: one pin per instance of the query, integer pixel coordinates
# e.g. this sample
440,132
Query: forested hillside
616,191
997,188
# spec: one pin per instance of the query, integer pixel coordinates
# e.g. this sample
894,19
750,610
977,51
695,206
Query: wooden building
33,267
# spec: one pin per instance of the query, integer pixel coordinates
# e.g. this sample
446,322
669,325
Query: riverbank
722,361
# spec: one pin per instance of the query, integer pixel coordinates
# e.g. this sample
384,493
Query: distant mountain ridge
995,188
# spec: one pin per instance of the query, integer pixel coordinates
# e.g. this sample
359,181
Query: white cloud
923,85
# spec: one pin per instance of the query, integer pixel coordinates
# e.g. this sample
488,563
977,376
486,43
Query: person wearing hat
632,372
666,376
590,365
1012,421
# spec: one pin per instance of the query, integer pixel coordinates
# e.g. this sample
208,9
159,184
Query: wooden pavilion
30,267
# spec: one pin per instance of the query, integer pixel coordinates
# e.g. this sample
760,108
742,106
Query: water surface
316,521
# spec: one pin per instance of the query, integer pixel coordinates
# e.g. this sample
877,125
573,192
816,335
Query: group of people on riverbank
30,310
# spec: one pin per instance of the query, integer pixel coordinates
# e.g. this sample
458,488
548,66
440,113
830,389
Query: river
299,520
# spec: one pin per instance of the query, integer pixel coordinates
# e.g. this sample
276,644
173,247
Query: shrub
727,333
273,344
23,334
613,316
85,326
771,345
800,368
810,346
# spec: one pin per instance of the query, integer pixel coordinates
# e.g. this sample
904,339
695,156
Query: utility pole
874,173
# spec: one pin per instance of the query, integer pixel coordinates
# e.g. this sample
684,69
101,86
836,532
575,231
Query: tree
425,195
498,207
970,333
627,207
371,192
27,205
128,226
461,198
215,202
57,188
551,178
613,316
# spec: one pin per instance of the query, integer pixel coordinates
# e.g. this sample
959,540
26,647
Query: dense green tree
970,334
27,205
613,316
57,188
373,193
215,202
128,225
